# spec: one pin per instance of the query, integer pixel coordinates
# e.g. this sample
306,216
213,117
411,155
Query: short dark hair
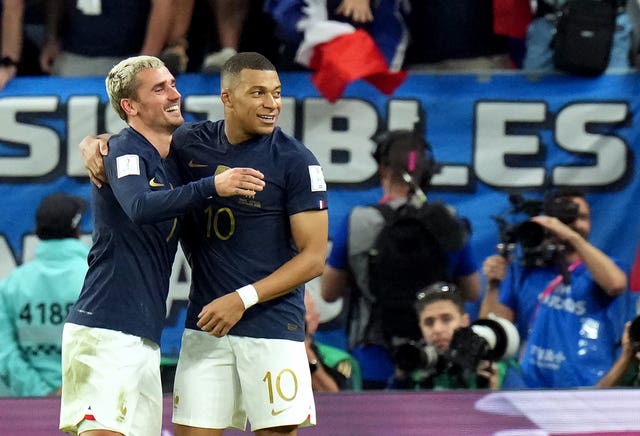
439,291
248,60
566,192
58,216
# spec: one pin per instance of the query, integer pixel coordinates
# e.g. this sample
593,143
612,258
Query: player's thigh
276,382
111,378
206,391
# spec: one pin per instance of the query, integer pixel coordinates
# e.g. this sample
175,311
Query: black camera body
634,334
537,247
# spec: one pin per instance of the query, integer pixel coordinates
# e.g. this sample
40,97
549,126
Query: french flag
512,17
337,52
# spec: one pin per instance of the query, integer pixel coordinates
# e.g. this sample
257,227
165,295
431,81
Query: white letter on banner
112,121
403,114
343,127
41,144
493,144
8,263
610,151
82,120
210,105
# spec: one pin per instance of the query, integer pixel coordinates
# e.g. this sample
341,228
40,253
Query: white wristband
248,295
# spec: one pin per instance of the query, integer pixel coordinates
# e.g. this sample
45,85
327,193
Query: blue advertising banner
494,134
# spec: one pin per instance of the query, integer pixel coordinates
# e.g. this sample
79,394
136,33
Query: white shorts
112,379
220,382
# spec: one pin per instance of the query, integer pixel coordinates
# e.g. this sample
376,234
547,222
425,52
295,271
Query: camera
634,334
492,338
537,248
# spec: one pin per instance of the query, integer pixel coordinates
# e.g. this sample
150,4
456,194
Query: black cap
58,216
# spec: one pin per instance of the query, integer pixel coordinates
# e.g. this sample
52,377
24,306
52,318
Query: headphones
385,140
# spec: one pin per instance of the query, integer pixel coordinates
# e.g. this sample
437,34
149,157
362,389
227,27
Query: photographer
448,356
560,306
625,372
405,166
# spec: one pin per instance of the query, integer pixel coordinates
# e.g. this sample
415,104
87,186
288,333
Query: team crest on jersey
251,202
221,169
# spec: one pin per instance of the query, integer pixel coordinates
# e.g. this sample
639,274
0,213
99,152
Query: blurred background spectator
450,36
23,34
36,296
332,369
542,30
230,17
89,38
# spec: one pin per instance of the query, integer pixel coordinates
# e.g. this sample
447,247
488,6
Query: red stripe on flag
350,57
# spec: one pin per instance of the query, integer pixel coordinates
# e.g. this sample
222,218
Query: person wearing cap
35,299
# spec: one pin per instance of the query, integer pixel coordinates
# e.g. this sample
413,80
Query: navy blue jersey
238,240
116,28
135,236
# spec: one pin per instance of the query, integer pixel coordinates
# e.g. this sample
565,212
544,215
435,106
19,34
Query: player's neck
161,141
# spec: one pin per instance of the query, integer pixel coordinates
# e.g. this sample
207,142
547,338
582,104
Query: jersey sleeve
132,184
306,187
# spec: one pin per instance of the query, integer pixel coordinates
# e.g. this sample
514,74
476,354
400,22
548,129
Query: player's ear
225,96
127,107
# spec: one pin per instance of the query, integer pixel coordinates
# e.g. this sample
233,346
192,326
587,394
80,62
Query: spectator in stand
88,38
22,37
35,299
366,344
448,36
230,17
541,31
332,369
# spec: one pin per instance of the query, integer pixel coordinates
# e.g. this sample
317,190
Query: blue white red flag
337,52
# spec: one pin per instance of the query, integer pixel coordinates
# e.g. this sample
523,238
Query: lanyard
556,281
549,289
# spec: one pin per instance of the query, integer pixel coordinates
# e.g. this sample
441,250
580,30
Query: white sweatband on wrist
248,295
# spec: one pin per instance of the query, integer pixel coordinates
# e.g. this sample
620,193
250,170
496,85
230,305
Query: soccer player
243,353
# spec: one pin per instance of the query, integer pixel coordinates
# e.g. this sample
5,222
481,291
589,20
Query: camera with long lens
492,338
537,247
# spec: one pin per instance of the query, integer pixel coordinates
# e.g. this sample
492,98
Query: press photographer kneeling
453,352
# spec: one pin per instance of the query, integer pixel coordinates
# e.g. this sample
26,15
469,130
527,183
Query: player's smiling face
254,104
158,101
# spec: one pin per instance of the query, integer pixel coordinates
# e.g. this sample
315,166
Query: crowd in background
76,38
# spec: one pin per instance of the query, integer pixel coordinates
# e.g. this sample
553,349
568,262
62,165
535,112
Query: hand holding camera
540,237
